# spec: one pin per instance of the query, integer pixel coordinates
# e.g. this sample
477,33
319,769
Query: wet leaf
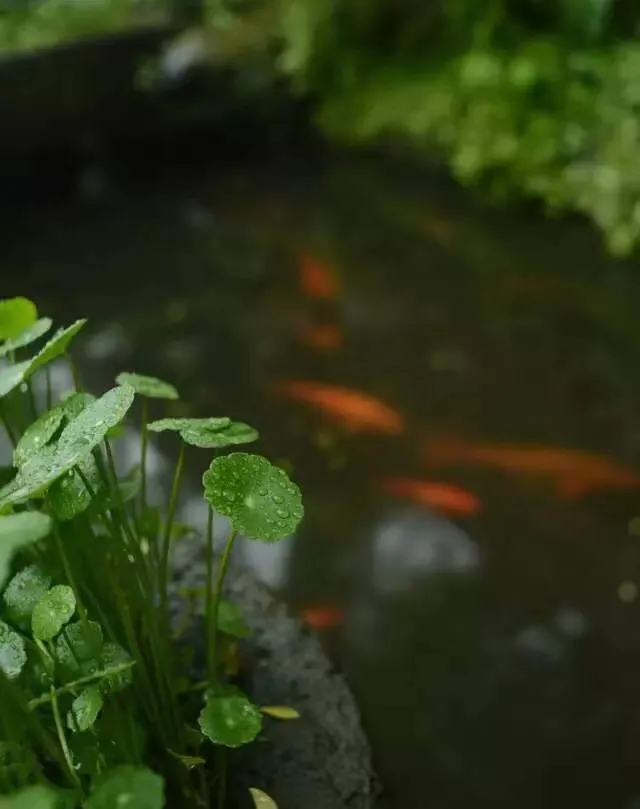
26,336
81,642
191,428
75,403
261,800
113,656
229,718
13,655
283,712
52,612
148,386
69,495
23,592
89,428
37,435
17,531
85,709
55,347
233,434
80,437
231,621
36,797
127,787
259,498
16,315
11,376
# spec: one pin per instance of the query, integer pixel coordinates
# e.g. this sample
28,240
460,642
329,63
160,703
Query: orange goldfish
573,472
316,279
354,411
322,617
443,497
322,337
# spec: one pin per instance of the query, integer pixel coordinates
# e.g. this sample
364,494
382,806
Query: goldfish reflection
316,279
352,410
442,497
320,618
573,473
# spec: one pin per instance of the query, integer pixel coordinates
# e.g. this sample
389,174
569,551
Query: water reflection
495,652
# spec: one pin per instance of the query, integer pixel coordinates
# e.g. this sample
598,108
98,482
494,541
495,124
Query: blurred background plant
533,99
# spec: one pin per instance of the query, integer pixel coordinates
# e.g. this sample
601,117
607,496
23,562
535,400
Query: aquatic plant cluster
101,704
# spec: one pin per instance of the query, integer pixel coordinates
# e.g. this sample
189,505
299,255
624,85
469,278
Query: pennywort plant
99,706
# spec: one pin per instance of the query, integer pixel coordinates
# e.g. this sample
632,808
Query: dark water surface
496,656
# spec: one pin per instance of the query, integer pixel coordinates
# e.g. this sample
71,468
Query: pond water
464,428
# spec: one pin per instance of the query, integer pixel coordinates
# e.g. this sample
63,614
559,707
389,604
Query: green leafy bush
98,710
537,99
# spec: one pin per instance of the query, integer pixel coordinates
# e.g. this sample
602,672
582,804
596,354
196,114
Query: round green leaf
85,709
230,718
69,495
52,612
259,498
37,435
192,425
237,432
23,592
55,347
35,797
230,620
17,531
80,437
127,787
26,336
11,376
148,386
80,643
16,314
113,657
261,800
13,655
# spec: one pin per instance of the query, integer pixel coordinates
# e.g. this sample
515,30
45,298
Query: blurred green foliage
26,26
523,98
536,98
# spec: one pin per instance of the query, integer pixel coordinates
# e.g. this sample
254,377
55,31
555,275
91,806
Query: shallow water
496,656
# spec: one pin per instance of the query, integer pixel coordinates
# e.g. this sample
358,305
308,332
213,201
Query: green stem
208,590
212,619
118,494
49,387
4,421
32,400
68,572
63,739
69,688
166,539
74,373
143,455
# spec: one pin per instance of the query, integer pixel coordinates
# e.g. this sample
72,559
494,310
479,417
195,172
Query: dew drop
278,499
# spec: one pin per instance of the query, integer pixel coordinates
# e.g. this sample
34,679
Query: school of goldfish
571,473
